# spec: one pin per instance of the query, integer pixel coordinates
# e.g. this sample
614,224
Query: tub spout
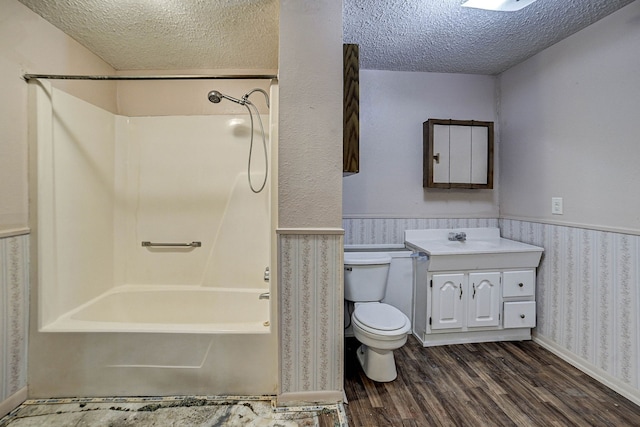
264,295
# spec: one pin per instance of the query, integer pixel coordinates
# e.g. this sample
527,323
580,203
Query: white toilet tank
365,276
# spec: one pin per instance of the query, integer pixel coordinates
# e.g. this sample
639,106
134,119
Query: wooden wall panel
351,110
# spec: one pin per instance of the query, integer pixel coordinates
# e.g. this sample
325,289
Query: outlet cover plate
556,205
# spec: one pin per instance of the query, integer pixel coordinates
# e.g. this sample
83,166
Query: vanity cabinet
471,285
463,301
474,306
458,154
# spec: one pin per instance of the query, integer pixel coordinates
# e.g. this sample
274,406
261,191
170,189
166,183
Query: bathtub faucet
264,295
459,237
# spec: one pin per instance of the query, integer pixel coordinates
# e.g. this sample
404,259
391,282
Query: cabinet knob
521,284
522,316
437,158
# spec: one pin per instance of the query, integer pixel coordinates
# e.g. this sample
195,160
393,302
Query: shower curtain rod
28,77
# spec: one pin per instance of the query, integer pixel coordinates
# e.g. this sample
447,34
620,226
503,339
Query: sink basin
472,245
483,249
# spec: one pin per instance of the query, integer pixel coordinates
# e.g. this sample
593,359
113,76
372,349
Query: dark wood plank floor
489,384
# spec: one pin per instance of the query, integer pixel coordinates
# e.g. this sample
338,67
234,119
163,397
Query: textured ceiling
441,36
409,35
170,34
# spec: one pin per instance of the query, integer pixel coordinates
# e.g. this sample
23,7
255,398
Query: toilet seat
381,319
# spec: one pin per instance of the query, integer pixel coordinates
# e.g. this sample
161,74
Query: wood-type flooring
488,384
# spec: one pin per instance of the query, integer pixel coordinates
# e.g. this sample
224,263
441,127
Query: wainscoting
14,320
369,231
310,314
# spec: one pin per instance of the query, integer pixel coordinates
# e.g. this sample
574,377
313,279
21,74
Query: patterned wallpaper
369,231
310,312
14,284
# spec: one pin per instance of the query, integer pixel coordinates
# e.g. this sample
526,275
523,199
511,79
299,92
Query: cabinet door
447,301
441,153
484,299
460,154
479,155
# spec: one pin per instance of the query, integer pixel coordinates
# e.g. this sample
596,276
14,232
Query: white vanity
471,285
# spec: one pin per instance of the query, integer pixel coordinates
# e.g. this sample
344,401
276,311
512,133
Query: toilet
380,328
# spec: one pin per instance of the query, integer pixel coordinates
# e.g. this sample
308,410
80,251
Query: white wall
29,44
393,106
569,128
310,128
187,97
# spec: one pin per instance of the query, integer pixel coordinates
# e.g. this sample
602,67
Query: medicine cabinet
458,154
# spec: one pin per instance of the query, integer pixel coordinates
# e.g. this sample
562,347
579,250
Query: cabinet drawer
520,314
518,283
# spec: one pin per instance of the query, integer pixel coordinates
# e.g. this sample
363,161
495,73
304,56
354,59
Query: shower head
215,97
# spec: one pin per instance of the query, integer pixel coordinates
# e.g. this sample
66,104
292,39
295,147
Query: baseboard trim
13,401
310,397
593,371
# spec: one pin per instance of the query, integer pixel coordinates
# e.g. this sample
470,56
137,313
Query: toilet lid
383,317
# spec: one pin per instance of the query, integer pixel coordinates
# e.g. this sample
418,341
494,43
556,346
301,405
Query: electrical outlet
556,205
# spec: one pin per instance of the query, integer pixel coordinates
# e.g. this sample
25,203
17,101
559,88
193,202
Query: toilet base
378,365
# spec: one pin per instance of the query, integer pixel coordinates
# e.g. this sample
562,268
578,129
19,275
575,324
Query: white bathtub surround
14,320
384,231
310,311
587,299
102,184
179,410
169,179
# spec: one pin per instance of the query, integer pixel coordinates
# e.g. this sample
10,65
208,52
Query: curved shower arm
245,97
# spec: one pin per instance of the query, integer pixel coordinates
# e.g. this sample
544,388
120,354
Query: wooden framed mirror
457,154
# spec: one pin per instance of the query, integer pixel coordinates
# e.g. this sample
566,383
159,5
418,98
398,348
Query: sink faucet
459,236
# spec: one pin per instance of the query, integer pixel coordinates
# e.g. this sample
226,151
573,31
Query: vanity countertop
483,248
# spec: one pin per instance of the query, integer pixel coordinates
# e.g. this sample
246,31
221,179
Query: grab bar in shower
179,245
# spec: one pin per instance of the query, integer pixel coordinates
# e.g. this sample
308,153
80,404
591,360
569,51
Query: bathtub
111,317
169,309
